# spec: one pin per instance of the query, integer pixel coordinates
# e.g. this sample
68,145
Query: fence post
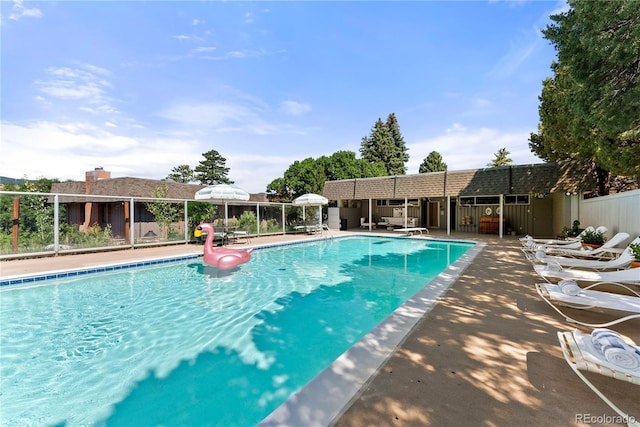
258,218
186,223
132,230
14,226
284,229
56,224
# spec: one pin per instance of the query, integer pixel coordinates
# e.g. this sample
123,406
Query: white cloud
209,114
294,108
204,49
247,117
86,85
19,11
466,148
482,103
66,151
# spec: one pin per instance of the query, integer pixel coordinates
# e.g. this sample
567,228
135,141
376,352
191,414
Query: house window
480,200
397,202
487,200
467,201
516,199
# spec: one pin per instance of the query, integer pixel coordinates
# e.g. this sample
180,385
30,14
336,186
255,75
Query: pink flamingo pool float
221,258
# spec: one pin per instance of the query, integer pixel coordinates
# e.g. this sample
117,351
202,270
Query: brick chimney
93,176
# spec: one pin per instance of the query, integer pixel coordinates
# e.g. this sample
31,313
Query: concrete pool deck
487,353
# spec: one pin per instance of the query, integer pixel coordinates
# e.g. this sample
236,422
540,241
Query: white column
406,208
284,226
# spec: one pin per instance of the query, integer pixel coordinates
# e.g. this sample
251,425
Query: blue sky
141,87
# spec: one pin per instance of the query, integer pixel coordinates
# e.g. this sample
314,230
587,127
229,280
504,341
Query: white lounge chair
567,293
531,246
607,250
528,239
623,261
629,276
606,353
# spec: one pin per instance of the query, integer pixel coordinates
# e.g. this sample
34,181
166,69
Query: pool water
180,344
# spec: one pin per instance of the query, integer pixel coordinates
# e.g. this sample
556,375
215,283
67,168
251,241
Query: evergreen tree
212,169
590,109
402,155
433,163
386,145
502,159
183,174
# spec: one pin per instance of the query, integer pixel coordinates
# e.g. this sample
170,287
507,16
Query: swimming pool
176,344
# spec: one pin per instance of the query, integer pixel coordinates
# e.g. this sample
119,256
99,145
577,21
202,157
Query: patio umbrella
222,193
310,199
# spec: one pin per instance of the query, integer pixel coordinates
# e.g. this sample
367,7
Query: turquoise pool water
177,344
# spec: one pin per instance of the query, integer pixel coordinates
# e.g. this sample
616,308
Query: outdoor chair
556,273
607,250
528,239
606,353
567,293
623,261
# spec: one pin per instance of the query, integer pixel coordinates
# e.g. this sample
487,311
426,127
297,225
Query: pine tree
502,159
183,174
402,156
212,169
386,145
433,163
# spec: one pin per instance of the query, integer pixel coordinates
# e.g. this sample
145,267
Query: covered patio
535,199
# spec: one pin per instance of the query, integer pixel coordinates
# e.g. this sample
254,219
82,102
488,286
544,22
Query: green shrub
634,248
593,237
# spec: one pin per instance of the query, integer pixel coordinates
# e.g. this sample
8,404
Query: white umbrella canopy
222,193
311,199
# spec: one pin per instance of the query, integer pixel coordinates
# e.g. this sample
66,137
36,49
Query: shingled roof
518,179
131,187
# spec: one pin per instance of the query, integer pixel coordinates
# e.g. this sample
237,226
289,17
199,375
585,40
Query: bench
410,230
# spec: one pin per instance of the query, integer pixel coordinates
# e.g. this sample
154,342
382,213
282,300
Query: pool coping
26,279
330,393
